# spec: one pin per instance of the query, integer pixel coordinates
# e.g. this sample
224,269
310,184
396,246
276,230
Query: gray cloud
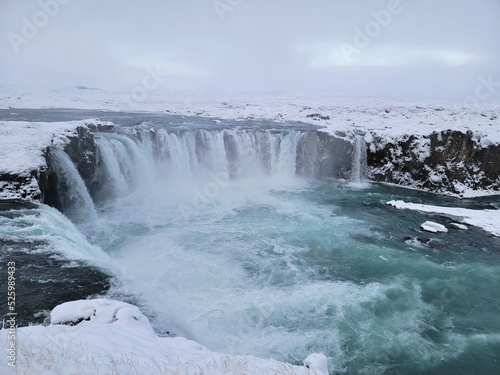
429,48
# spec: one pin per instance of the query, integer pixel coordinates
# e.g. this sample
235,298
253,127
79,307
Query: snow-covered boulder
98,311
433,227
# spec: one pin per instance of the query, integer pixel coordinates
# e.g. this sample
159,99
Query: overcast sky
419,48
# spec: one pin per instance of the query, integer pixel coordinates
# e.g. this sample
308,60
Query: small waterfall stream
358,170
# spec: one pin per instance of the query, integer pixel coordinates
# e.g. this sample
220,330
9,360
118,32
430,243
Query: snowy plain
387,117
23,143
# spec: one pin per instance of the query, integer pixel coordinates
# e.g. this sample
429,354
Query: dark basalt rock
320,154
453,161
97,125
83,151
318,116
31,186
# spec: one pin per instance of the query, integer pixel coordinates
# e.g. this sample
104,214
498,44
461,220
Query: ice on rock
433,227
459,226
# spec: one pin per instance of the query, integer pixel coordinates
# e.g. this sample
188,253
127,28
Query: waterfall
117,163
358,168
239,153
152,161
71,194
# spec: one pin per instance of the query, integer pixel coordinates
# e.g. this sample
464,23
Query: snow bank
488,220
106,336
22,144
317,362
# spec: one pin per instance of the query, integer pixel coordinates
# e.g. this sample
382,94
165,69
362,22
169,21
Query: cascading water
71,195
143,156
358,170
116,164
239,153
124,162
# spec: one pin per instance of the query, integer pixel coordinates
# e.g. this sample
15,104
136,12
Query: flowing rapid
251,240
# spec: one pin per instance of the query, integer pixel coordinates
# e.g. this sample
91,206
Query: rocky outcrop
449,162
39,184
30,186
83,151
320,154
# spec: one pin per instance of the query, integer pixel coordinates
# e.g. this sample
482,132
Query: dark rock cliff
84,153
449,162
29,186
320,154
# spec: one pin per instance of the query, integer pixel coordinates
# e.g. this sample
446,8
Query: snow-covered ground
23,143
387,117
22,148
109,337
488,220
